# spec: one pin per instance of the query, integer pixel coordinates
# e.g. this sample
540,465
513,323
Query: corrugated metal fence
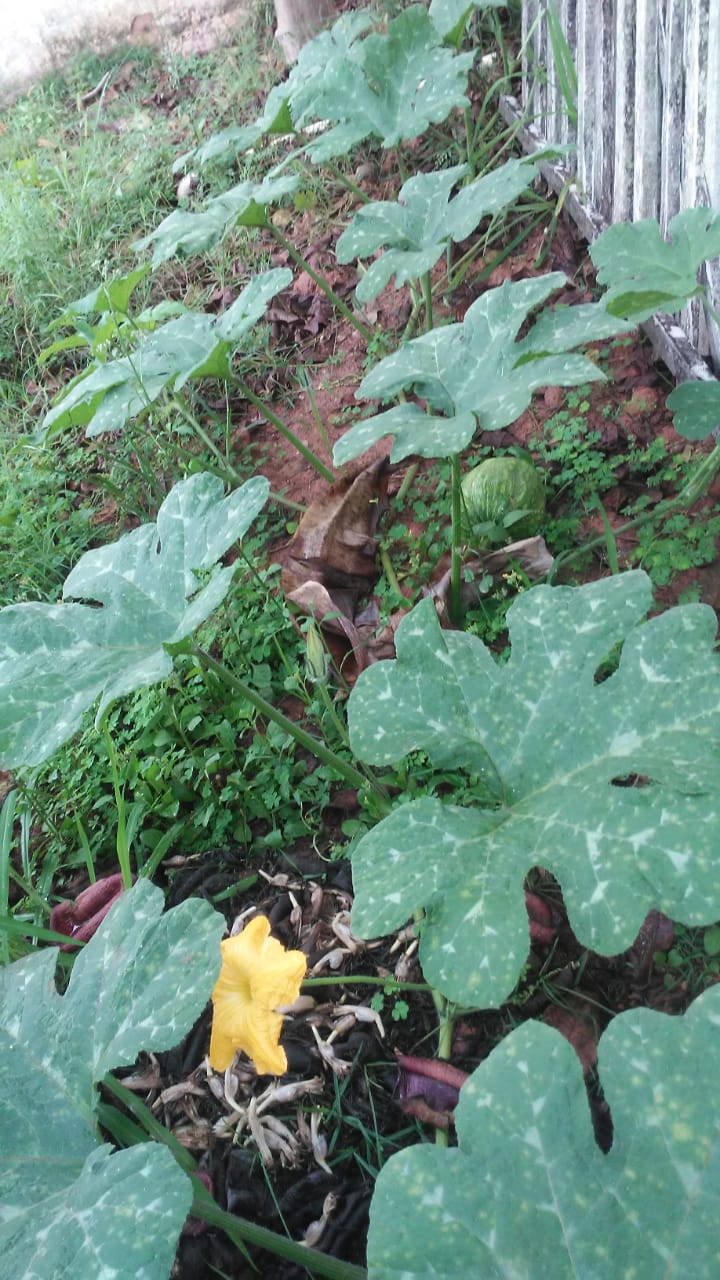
648,109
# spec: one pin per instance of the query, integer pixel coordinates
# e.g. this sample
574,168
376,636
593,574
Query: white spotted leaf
478,373
392,88
195,345
287,101
139,984
552,747
527,1192
416,228
185,232
56,660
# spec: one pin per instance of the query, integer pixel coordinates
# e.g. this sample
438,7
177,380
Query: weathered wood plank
623,158
648,137
672,133
669,341
646,149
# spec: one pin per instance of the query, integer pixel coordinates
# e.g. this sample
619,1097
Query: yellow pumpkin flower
256,977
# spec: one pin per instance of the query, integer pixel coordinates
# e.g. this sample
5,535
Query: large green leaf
57,659
553,748
284,105
67,1206
645,273
417,226
196,345
527,1194
393,88
696,409
450,16
187,233
477,373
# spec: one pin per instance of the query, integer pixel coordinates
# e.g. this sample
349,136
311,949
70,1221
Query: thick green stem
239,1230
342,767
202,434
318,1264
337,302
121,841
408,482
469,142
427,299
346,182
446,1020
455,556
389,571
289,435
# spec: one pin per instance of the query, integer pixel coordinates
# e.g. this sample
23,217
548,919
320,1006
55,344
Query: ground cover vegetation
279,654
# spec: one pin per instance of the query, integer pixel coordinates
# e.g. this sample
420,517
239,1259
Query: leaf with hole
122,605
139,984
477,373
644,272
553,747
528,1193
415,229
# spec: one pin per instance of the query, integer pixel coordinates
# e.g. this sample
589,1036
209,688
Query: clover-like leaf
417,226
186,233
393,88
644,272
57,659
196,345
696,409
477,372
139,984
554,747
528,1193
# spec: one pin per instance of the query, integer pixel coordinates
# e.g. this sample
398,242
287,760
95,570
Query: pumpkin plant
70,1204
109,393
475,375
552,745
417,228
66,1197
128,609
528,1193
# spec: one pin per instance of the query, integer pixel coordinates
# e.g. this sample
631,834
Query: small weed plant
523,760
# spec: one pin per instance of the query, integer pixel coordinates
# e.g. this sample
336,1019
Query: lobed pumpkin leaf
196,345
416,228
140,983
289,101
644,272
57,659
528,1193
477,373
393,87
553,747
